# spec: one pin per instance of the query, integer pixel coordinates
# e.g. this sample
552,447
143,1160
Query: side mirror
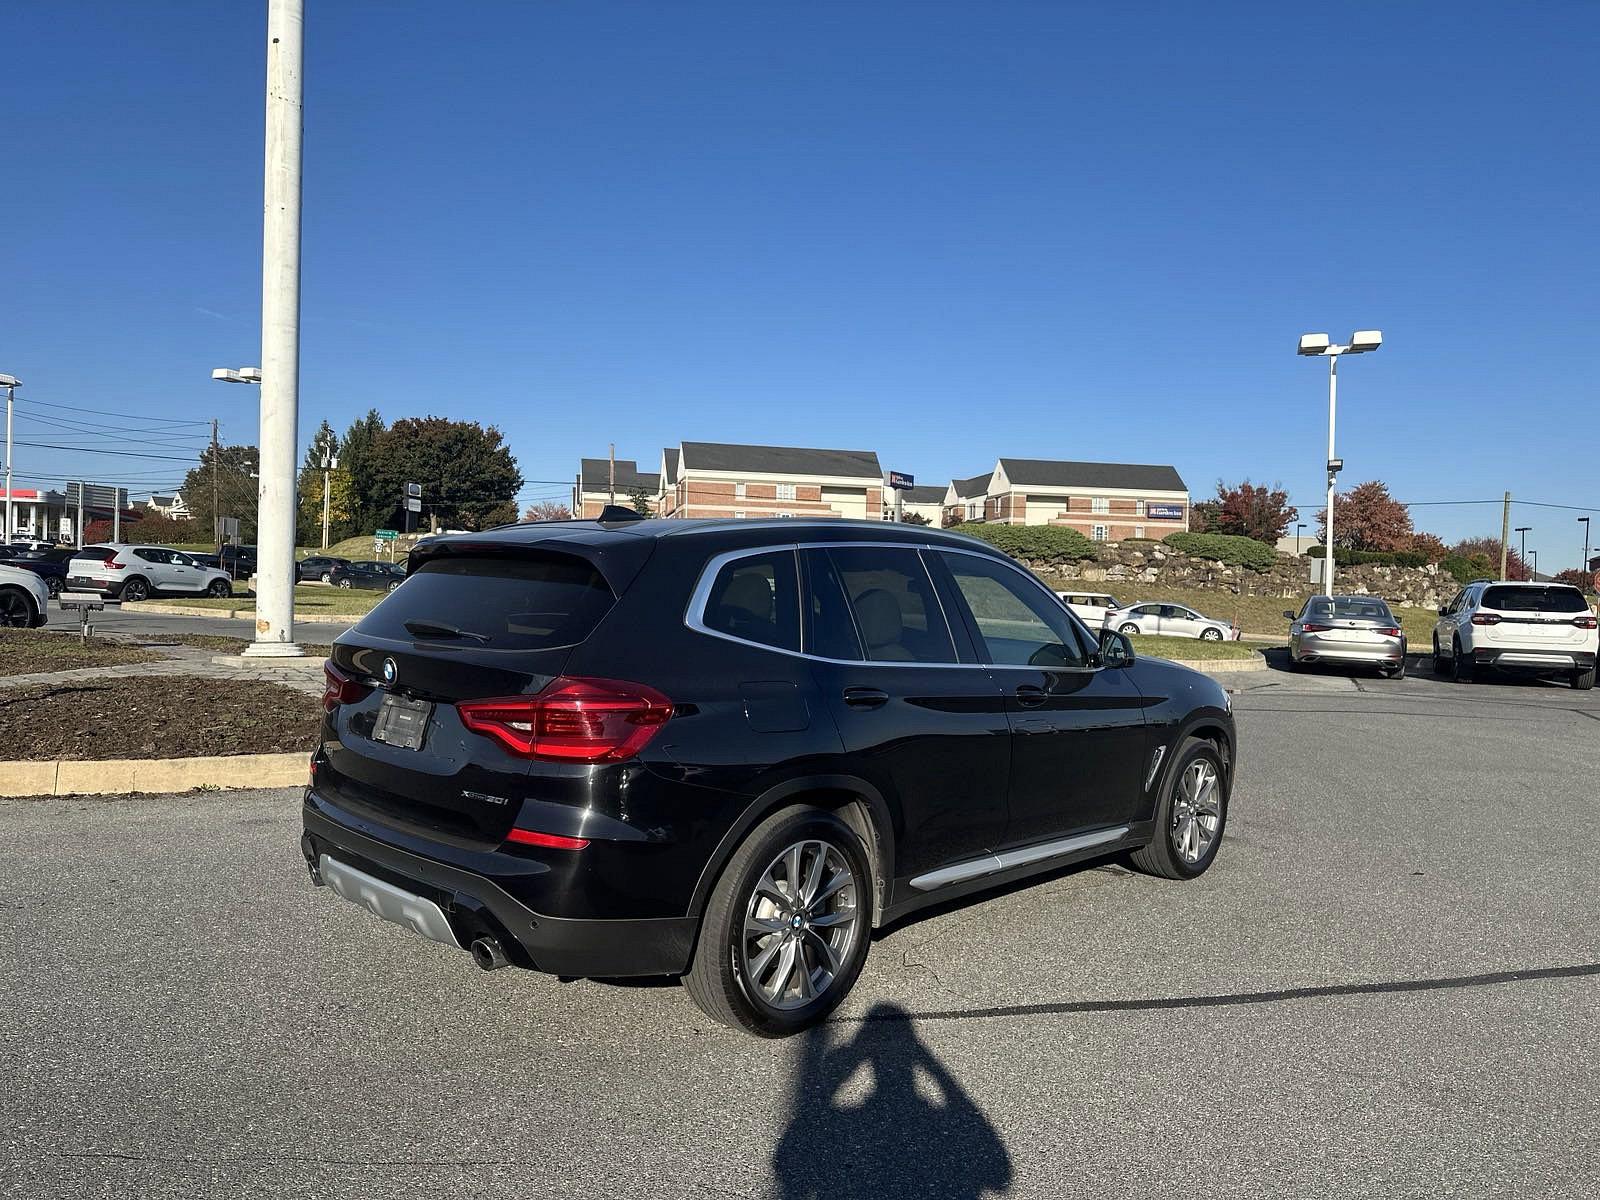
1288,615
1115,649
1443,608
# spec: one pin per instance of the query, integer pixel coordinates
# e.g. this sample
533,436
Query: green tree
639,501
235,488
359,459
468,475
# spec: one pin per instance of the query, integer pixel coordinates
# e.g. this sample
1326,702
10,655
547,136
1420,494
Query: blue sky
942,231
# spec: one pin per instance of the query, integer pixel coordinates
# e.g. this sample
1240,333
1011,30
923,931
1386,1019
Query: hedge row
1345,557
1041,543
1226,548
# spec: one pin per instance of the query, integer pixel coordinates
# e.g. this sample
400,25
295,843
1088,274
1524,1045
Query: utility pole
1333,473
612,477
216,490
1505,533
1584,565
329,462
116,514
11,384
280,333
79,529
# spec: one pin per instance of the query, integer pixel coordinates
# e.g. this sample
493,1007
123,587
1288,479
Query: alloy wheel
799,925
15,611
135,591
1196,813
1210,635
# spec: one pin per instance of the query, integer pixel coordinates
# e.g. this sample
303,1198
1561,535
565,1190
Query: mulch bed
32,651
155,717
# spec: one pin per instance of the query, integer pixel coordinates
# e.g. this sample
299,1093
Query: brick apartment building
1104,501
716,479
592,491
924,501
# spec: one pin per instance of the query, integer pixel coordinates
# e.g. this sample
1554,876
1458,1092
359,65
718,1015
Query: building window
738,491
1138,510
738,514
1098,533
790,514
1100,505
786,491
1138,532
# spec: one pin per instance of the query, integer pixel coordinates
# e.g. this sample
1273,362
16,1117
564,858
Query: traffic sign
413,505
386,535
413,489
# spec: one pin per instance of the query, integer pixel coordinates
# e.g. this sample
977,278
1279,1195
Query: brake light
1313,627
572,720
1391,631
113,565
1486,618
338,688
1585,622
550,841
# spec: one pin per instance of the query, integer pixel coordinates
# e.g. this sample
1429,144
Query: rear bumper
1530,658
1309,650
476,904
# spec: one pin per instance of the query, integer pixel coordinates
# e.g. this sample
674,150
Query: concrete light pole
280,334
1317,344
1522,547
1584,565
11,383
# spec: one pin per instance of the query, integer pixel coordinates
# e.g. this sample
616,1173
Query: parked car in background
1347,629
238,561
24,599
318,567
118,571
49,565
32,544
1171,620
730,750
1092,607
368,574
1541,628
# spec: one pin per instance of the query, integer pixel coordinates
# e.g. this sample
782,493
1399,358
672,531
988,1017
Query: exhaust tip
489,954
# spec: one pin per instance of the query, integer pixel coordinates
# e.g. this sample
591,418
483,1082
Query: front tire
787,929
219,588
1191,816
16,609
345,583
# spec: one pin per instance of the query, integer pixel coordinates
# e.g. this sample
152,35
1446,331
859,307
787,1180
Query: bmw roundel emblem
390,671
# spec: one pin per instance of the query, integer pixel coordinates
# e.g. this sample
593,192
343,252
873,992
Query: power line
126,416
93,450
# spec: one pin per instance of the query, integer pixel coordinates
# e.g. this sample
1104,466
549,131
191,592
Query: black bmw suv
729,750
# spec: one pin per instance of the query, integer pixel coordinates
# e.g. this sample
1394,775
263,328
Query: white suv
24,598
131,573
1541,627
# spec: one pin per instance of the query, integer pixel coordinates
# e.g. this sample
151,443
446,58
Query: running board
991,864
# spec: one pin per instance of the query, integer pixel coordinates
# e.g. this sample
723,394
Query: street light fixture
11,383
242,375
1522,545
1297,530
1318,345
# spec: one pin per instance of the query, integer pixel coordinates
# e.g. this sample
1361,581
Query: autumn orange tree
1367,517
1252,510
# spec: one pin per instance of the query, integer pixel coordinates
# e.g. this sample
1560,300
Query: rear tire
1211,635
1460,664
1583,679
732,963
1189,823
135,590
53,586
1397,671
1129,630
1438,659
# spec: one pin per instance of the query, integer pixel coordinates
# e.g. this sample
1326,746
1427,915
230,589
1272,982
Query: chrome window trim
694,614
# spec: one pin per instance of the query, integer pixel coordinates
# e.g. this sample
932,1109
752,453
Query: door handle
865,697
1031,695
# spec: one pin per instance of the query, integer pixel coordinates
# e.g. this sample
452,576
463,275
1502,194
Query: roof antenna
616,512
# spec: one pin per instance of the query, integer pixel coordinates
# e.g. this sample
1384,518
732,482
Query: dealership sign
1164,512
900,480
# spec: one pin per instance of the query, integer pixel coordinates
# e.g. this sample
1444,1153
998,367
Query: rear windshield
1353,608
1535,599
103,553
512,604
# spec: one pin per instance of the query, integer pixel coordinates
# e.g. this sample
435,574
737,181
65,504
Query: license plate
402,722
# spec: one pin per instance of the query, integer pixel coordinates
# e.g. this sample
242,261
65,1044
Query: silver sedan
1347,629
1170,620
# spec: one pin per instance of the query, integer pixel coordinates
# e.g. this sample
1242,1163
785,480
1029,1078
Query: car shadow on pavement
875,1115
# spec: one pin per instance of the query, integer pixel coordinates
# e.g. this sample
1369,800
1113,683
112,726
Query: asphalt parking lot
1389,985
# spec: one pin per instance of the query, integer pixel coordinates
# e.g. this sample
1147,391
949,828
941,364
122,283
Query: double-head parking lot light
1319,345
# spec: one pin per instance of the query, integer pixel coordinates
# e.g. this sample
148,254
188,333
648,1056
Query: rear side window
896,613
1535,599
755,599
830,629
511,603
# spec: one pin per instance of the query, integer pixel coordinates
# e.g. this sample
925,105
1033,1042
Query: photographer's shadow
877,1116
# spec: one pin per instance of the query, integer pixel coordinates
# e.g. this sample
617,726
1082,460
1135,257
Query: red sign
21,493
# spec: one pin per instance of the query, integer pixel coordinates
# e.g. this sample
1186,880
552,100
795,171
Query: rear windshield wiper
437,629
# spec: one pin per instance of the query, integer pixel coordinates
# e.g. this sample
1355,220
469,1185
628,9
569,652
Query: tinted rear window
1535,599
98,552
1353,609
516,604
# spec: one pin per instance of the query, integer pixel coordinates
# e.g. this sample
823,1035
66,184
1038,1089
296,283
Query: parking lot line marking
1236,999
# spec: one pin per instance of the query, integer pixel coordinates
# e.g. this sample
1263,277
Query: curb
309,664
245,614
1221,666
125,776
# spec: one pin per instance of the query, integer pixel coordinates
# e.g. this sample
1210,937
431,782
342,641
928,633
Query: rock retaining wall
1155,563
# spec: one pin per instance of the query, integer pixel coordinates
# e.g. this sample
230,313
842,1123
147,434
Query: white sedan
24,598
1171,620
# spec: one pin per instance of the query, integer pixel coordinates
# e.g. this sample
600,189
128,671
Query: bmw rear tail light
573,720
1486,618
338,688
